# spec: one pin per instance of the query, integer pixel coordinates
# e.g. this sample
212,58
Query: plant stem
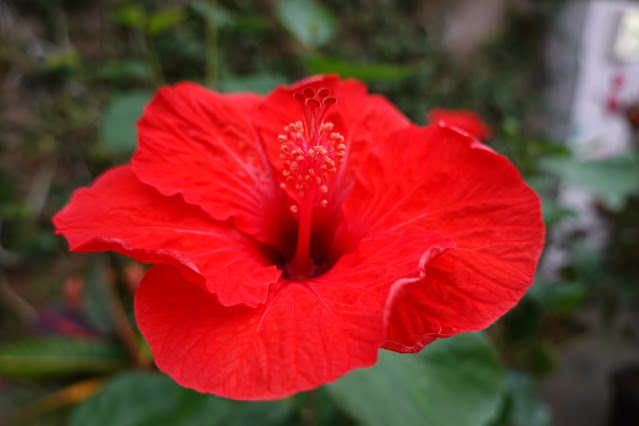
211,46
123,327
152,57
309,414
69,395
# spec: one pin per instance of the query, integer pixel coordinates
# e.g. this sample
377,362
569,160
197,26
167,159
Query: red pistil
311,153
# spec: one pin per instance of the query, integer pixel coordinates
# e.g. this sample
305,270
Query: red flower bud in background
466,121
294,235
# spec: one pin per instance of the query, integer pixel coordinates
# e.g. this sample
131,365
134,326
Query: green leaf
366,72
56,357
130,15
165,19
63,61
525,408
97,296
559,297
12,206
213,14
308,21
252,24
611,180
454,381
553,212
118,130
145,399
124,70
258,83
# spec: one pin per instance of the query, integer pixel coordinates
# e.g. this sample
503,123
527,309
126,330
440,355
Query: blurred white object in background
593,68
592,60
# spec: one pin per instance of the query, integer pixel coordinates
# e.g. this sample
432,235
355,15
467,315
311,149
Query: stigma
311,154
310,150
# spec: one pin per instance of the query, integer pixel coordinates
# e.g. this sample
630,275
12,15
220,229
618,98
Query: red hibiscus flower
465,121
295,235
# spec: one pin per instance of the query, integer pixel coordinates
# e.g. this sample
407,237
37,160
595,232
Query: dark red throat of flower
311,154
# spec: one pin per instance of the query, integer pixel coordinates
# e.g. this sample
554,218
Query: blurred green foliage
79,74
425,388
55,357
308,21
134,399
117,130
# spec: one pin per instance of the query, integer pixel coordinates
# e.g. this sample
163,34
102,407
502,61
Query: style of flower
463,120
294,235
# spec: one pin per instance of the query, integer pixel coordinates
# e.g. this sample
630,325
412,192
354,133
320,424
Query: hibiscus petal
462,292
306,334
439,179
369,119
120,213
201,144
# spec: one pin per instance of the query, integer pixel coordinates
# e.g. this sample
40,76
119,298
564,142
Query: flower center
311,153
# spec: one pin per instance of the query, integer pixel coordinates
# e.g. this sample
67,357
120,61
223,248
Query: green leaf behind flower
57,357
366,72
308,21
148,399
522,406
165,19
455,381
611,180
118,130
